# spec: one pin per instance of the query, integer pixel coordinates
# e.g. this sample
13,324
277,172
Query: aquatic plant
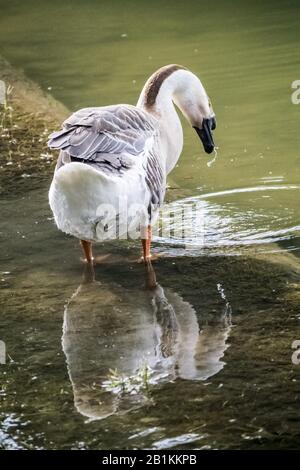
133,384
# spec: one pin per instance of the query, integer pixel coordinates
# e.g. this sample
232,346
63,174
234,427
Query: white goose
110,178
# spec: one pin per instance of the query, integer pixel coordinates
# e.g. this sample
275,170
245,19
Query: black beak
205,134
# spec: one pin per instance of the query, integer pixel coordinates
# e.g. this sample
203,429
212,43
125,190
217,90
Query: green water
239,389
246,53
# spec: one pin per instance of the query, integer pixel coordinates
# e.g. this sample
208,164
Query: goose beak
205,134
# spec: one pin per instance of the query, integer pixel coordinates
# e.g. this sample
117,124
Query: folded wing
111,139
116,130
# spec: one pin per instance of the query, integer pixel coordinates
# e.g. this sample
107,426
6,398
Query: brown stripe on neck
156,81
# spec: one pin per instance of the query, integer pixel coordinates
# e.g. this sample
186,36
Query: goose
110,178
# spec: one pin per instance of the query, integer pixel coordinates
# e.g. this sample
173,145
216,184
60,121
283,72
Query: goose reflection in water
120,343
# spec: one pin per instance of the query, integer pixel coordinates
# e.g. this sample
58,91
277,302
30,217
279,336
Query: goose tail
77,195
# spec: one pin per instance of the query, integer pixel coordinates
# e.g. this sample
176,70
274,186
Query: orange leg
87,250
146,244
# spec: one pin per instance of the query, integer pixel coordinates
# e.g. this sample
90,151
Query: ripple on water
233,218
184,439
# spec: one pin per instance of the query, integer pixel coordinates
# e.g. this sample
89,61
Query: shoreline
27,117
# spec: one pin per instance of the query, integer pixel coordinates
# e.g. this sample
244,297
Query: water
203,360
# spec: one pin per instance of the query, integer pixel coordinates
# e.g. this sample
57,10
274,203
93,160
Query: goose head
174,83
191,98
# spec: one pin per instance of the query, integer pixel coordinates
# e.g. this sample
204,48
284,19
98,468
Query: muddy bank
27,116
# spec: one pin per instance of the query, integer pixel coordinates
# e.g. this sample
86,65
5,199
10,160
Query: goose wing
110,139
113,130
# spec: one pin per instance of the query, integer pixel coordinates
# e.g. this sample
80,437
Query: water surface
214,336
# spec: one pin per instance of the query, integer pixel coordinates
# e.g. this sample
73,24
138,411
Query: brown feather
155,82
